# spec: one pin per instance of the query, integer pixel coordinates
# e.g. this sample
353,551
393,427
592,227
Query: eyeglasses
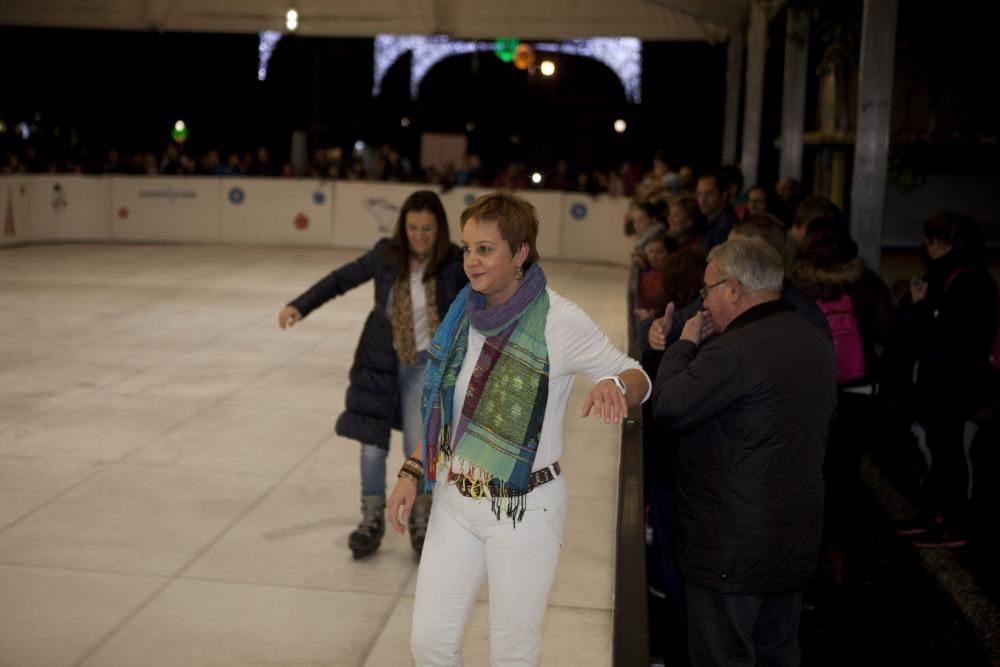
707,288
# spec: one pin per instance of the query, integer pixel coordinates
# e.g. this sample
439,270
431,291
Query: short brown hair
682,276
690,206
815,207
765,227
515,217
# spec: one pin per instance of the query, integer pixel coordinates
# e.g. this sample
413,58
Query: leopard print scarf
401,317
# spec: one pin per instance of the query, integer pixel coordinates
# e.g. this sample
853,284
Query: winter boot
367,537
418,521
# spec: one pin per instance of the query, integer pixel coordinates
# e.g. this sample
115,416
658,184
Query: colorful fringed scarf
496,436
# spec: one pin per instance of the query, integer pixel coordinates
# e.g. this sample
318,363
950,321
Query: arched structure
623,55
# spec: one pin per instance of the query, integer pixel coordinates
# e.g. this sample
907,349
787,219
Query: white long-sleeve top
575,345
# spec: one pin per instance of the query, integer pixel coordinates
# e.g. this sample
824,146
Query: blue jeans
411,384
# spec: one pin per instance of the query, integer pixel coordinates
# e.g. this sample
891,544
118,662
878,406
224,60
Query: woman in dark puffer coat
827,269
417,274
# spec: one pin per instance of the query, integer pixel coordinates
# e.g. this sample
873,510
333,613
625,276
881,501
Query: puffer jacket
871,299
372,403
753,408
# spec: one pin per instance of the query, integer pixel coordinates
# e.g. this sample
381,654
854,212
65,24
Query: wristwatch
618,383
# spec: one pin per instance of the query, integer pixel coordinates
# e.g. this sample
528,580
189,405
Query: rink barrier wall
271,211
354,214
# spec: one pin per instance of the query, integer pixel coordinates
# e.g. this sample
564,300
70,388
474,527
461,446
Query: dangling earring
519,273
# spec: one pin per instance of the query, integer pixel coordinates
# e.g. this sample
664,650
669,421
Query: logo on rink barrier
169,194
301,222
469,198
384,212
319,198
578,211
59,201
236,196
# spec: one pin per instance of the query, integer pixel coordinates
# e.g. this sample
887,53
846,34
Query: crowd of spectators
360,162
174,160
916,371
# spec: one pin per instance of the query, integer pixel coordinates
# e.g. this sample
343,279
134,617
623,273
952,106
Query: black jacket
718,226
753,408
372,404
952,334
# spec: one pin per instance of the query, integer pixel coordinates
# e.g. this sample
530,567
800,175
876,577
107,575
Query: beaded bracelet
412,469
416,465
408,475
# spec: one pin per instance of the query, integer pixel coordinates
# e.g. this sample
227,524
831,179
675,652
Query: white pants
465,542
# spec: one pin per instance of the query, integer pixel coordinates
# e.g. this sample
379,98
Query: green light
179,132
505,47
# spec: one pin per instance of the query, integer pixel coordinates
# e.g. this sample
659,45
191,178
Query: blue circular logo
469,198
578,211
236,195
319,198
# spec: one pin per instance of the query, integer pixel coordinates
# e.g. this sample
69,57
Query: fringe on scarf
513,504
479,484
459,468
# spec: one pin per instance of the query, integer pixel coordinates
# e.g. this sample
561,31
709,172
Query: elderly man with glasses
750,387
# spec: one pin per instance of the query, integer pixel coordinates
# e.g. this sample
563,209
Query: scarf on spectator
495,438
401,316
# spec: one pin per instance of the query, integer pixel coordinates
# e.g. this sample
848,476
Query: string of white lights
388,49
429,52
268,41
623,55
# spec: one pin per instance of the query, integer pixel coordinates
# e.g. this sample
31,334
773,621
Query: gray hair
752,262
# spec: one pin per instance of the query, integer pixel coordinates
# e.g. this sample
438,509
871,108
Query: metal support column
871,148
793,101
754,102
734,79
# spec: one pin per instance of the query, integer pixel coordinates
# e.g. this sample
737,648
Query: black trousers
948,482
735,629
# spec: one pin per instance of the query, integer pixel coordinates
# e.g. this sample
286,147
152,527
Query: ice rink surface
171,489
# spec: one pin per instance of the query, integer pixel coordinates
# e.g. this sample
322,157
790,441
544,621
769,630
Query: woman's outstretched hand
607,401
400,503
288,316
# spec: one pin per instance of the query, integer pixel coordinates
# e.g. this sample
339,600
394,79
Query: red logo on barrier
301,221
122,213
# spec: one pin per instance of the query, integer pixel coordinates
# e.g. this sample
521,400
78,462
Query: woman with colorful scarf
417,274
501,369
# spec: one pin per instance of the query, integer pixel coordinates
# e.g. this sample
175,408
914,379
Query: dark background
107,89
95,90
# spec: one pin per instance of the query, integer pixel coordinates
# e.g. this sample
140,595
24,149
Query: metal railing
630,629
